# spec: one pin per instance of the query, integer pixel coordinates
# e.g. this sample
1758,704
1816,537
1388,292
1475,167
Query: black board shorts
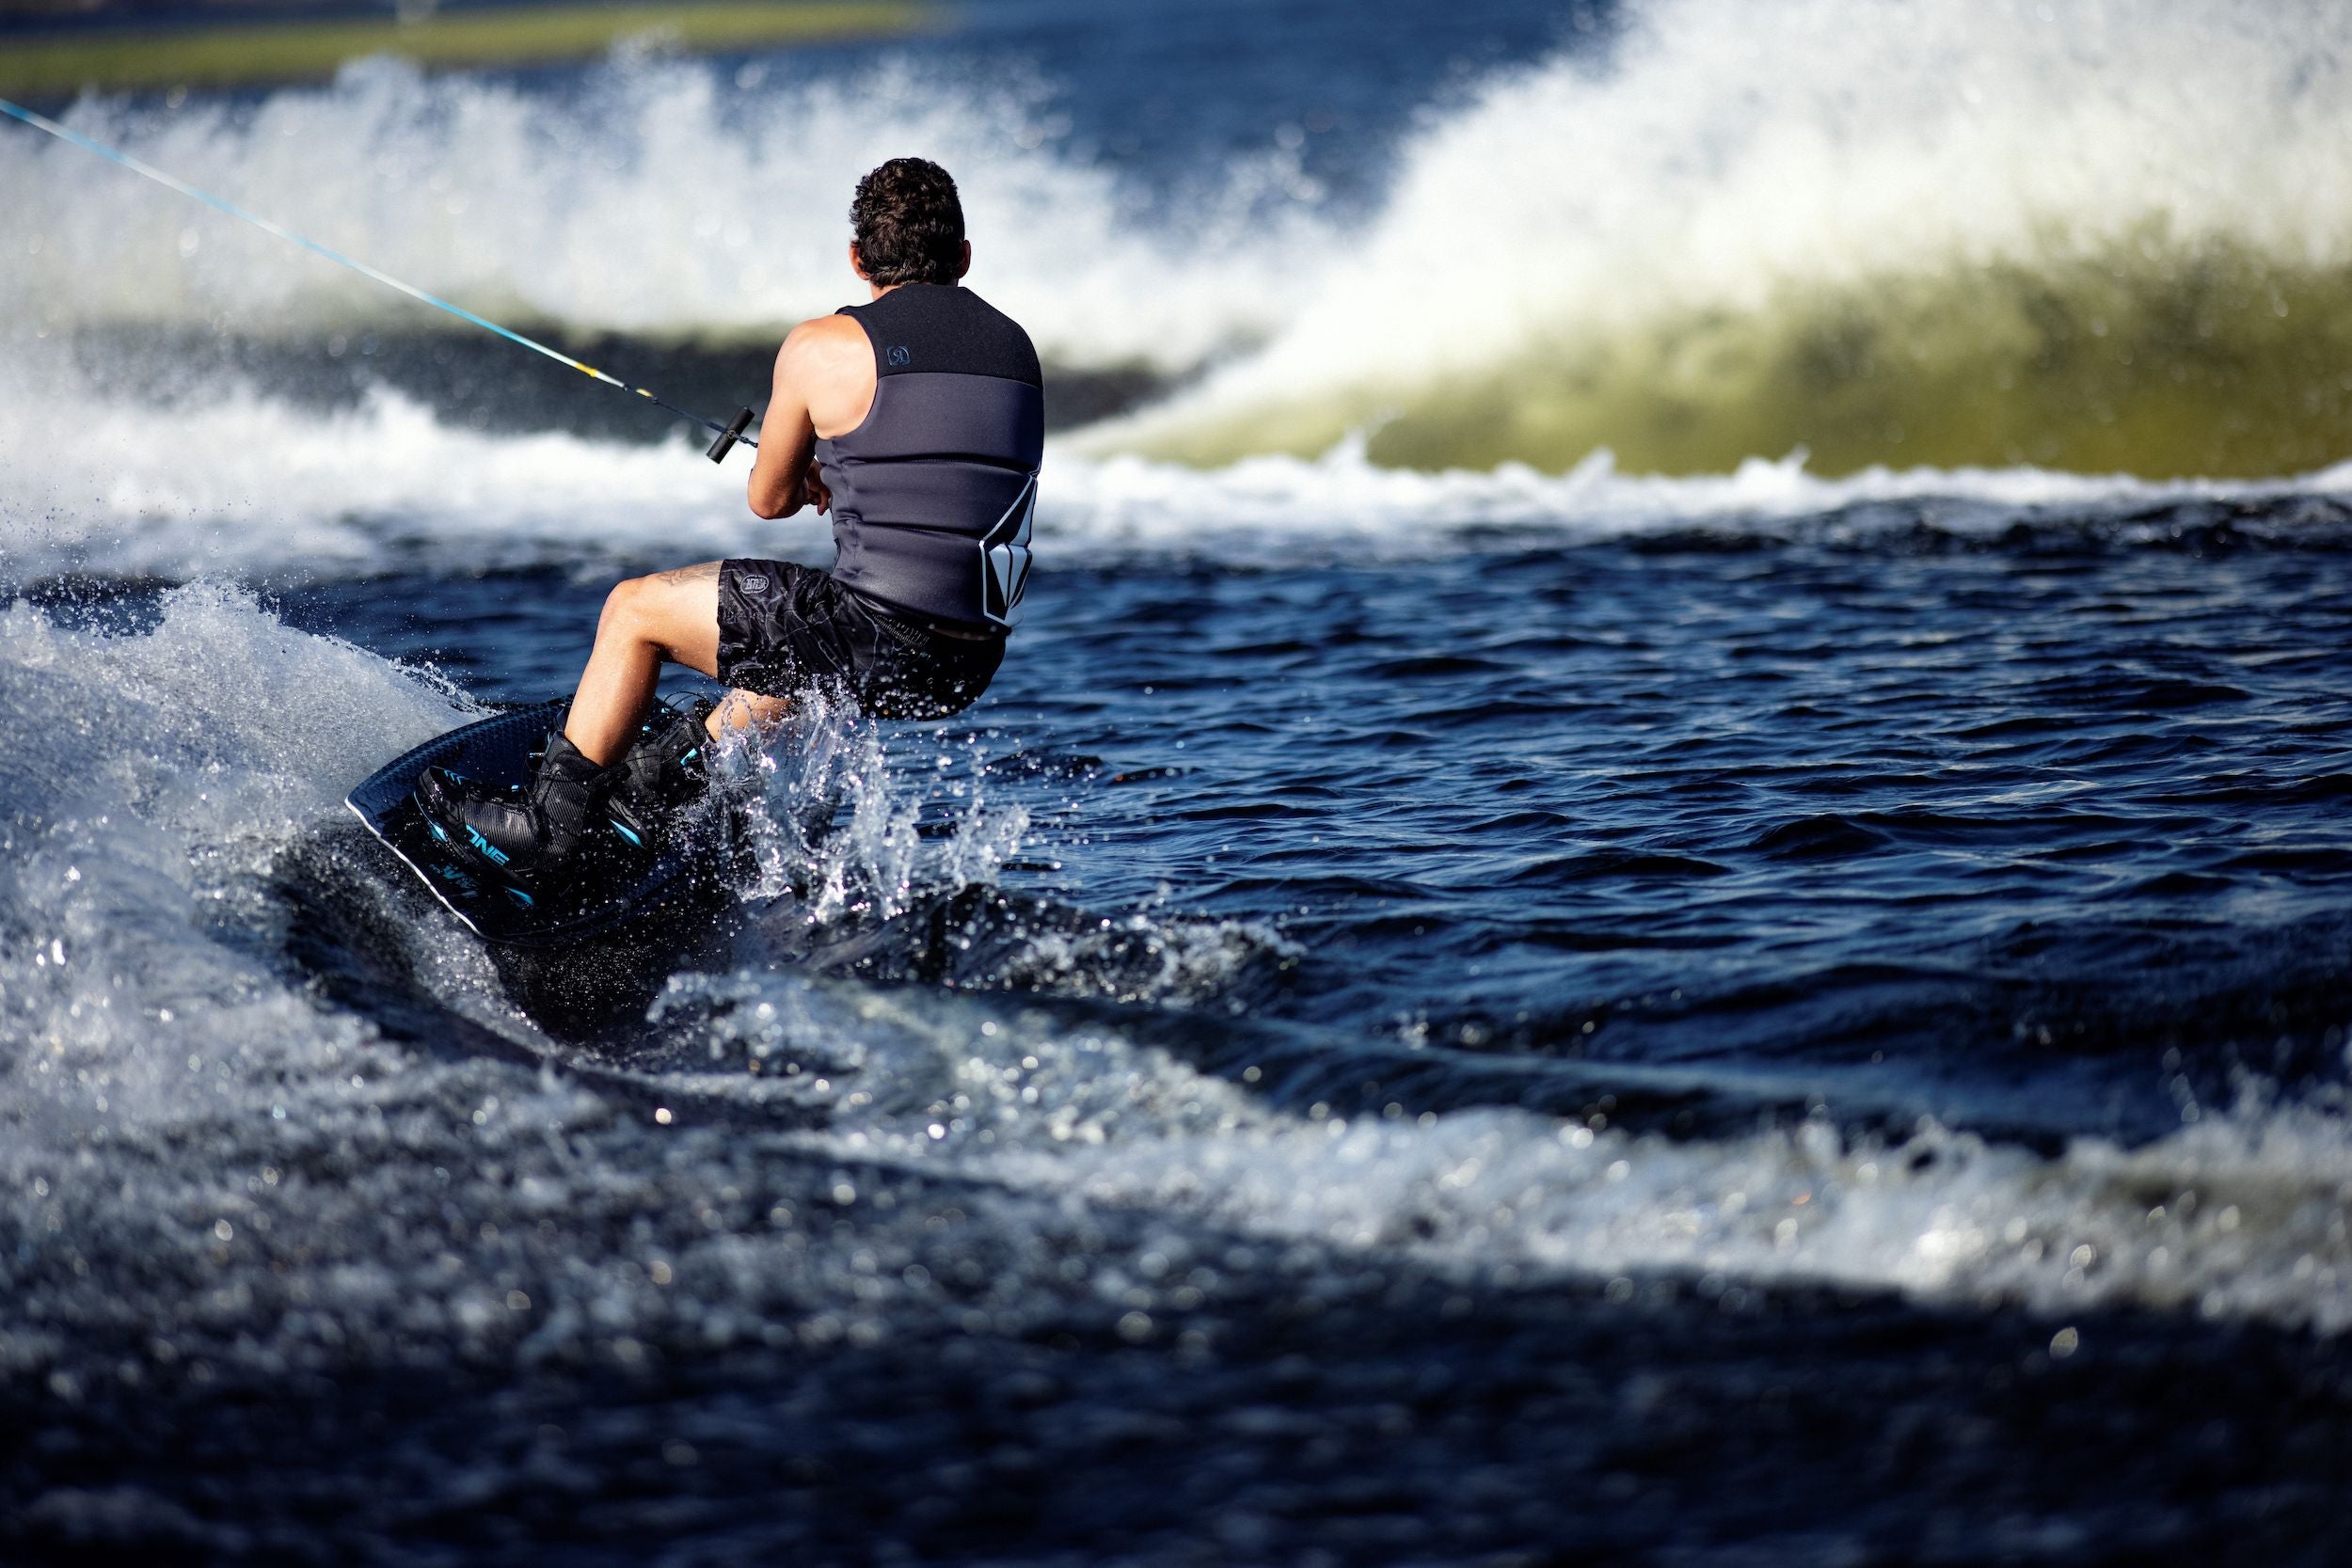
785,628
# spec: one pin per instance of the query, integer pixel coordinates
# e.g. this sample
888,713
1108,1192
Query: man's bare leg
740,710
669,615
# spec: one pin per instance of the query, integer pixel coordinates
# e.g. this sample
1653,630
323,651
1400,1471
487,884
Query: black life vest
934,493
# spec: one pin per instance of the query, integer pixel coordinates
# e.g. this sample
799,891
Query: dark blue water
2029,834
1795,898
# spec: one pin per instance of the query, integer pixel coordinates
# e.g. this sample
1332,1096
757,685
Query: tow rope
728,433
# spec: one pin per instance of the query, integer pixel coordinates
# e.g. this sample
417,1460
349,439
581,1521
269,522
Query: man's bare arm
824,381
779,484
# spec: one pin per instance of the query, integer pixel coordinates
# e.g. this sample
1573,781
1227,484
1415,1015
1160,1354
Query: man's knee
626,609
674,612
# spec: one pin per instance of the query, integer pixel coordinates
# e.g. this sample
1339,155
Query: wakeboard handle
727,437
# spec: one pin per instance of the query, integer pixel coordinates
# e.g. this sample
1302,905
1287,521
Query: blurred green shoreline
54,54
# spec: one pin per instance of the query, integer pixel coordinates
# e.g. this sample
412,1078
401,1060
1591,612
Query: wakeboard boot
665,769
527,836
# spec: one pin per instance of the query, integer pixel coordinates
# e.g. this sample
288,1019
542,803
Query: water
1789,1011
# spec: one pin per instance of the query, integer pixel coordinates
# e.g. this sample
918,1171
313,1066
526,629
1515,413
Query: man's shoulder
825,342
826,332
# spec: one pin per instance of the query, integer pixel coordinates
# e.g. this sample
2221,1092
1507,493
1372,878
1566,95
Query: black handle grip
727,437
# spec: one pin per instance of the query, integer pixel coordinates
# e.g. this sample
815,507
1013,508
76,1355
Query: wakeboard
618,882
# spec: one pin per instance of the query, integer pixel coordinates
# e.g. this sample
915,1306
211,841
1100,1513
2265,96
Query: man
916,420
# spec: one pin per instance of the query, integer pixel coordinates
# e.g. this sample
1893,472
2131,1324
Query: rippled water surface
1965,828
1372,1044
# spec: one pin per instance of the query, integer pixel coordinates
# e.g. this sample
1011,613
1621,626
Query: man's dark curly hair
909,223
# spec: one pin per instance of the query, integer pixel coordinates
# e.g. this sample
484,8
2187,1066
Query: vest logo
899,356
753,585
1005,559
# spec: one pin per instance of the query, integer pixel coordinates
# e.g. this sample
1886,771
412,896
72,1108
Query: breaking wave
252,487
658,200
2074,236
2065,236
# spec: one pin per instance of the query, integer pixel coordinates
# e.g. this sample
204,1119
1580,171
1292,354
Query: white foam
1726,151
2241,1215
838,825
245,485
1718,152
210,1156
657,200
1278,509
239,484
151,779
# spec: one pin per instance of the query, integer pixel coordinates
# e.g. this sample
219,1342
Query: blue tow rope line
728,433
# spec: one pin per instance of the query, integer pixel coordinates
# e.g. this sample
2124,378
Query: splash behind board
616,889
